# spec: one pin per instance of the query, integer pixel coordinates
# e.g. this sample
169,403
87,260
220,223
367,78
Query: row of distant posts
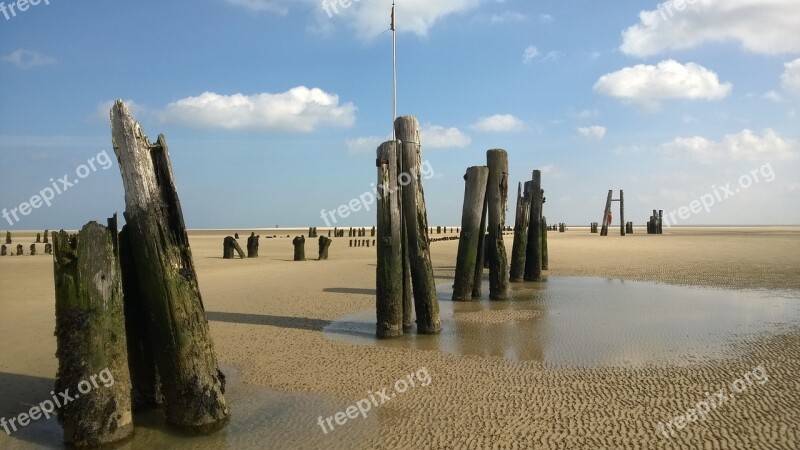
20,251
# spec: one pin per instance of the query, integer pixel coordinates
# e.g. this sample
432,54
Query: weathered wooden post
416,225
606,214
660,221
299,243
45,236
236,235
324,244
252,245
8,237
91,340
533,258
622,223
545,256
480,261
191,382
20,251
38,238
471,213
520,232
389,273
229,244
33,250
497,200
3,250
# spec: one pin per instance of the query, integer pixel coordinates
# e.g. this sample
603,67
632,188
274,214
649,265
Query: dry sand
267,318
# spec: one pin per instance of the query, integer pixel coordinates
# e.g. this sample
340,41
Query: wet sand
271,321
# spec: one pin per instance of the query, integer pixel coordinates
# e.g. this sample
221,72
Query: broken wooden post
90,337
324,243
521,219
252,245
20,251
533,258
8,237
545,258
416,225
3,250
497,199
299,248
229,244
471,213
389,274
45,236
38,237
33,249
191,382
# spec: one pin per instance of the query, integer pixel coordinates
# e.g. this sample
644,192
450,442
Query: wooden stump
20,251
389,273
8,237
45,237
91,341
33,249
520,245
192,384
497,199
324,244
416,225
533,259
38,237
299,248
252,245
3,250
474,196
229,245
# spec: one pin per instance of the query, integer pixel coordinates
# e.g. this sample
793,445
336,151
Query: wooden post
229,244
299,248
38,237
545,256
324,244
416,225
533,259
3,250
660,221
497,200
20,251
520,232
480,261
389,274
252,245
33,249
45,237
8,237
191,382
474,195
606,212
90,336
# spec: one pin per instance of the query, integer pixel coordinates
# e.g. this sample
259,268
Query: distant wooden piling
33,250
533,259
191,382
389,273
497,200
91,339
520,245
622,223
20,250
8,237
416,224
38,237
299,243
606,214
3,250
45,236
252,245
229,245
471,213
324,244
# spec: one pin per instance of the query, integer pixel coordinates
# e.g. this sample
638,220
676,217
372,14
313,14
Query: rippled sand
268,319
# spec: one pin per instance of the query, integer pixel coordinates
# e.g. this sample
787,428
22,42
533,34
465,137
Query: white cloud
506,16
278,6
498,123
791,77
364,145
647,85
772,96
587,114
27,59
743,146
546,18
372,18
530,53
299,109
434,136
760,26
595,132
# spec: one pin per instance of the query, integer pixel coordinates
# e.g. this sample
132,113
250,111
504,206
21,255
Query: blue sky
273,108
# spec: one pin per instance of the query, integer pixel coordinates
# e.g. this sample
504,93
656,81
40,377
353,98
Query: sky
273,109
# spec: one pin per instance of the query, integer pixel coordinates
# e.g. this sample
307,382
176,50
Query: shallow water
592,322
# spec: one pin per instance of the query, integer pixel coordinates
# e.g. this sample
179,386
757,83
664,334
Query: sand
268,318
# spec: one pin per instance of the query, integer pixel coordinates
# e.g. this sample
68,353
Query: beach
295,337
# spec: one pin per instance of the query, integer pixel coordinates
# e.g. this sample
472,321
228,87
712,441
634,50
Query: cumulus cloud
299,109
498,123
594,132
647,84
743,146
791,77
760,26
434,136
27,59
364,145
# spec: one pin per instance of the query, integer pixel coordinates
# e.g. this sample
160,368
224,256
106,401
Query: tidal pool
592,322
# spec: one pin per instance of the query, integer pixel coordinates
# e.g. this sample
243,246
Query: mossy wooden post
519,248
533,258
141,357
33,250
408,299
191,382
497,200
20,250
416,224
324,244
8,237
45,236
474,195
480,261
229,244
252,245
299,243
545,256
3,250
90,336
389,273
38,238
